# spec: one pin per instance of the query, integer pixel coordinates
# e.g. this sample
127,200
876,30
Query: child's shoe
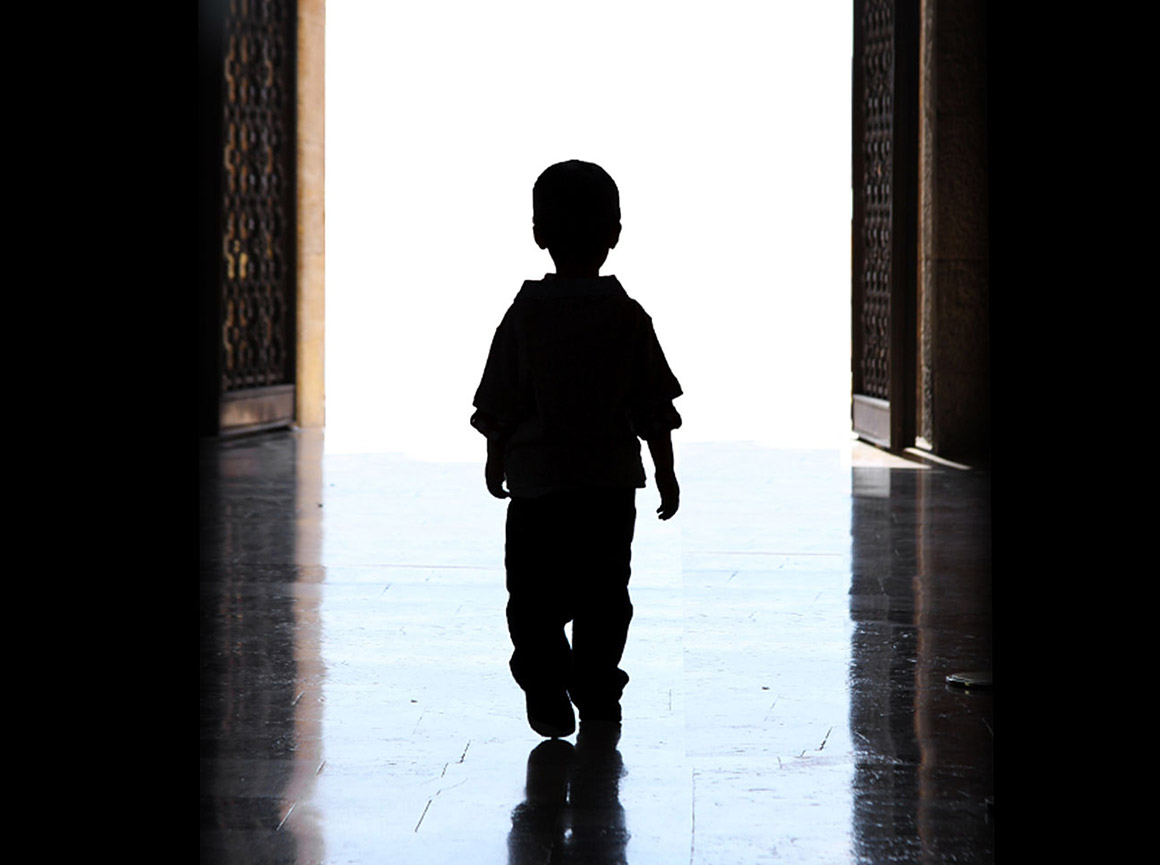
604,712
550,713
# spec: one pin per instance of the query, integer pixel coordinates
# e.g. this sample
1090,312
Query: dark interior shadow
571,811
249,665
920,601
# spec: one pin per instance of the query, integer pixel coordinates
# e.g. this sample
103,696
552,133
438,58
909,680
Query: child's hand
493,475
493,470
661,448
670,494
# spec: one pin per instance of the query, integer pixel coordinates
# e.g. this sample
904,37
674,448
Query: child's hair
575,206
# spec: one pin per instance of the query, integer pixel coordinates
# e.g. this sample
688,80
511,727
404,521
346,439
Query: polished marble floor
795,625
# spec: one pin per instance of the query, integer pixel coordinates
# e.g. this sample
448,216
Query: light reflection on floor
793,628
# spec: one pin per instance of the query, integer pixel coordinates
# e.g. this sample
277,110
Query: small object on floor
550,713
977,679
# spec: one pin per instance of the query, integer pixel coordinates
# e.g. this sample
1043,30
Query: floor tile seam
414,566
702,552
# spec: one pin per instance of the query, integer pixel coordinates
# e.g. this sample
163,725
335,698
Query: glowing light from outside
726,126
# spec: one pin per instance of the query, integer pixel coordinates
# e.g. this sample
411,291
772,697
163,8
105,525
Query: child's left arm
661,449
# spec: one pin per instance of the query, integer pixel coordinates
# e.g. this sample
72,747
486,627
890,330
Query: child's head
576,214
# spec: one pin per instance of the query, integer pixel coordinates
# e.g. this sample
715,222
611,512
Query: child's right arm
493,471
661,449
499,404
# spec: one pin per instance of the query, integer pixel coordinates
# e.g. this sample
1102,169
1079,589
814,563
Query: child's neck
583,266
577,272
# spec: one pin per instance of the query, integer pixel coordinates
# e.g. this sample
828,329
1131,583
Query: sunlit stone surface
795,624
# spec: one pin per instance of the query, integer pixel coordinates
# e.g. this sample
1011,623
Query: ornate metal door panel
253,326
885,223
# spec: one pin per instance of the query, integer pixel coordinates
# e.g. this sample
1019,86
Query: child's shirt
577,377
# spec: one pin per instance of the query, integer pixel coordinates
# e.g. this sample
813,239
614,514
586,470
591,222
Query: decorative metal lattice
257,286
878,102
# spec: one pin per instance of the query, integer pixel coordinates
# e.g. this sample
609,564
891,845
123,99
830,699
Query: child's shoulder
553,304
553,287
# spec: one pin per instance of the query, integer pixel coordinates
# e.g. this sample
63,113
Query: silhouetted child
575,377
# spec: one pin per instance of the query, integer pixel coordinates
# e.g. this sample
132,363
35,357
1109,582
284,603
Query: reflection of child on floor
574,379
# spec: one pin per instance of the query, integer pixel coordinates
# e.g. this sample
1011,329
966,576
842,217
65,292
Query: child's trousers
568,559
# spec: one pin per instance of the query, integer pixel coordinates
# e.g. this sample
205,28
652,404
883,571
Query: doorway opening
728,133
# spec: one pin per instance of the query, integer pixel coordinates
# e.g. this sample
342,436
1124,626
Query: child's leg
603,610
538,605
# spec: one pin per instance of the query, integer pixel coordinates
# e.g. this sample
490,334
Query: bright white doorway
726,127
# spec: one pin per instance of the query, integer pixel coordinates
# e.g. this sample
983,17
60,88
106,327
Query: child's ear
614,237
540,242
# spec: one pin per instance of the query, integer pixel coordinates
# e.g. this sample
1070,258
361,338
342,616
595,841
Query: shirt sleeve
499,400
655,387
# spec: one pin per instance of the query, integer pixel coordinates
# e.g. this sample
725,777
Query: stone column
311,212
